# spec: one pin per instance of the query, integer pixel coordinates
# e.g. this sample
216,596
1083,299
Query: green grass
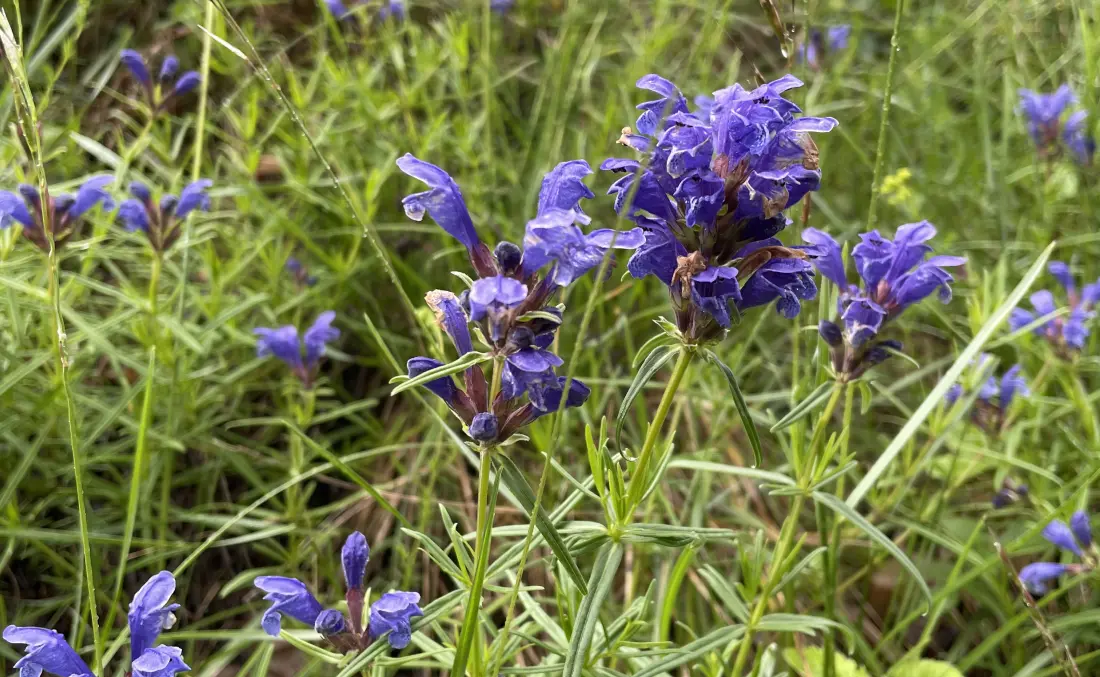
244,474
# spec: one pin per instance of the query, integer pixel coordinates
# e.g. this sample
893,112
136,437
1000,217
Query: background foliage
497,101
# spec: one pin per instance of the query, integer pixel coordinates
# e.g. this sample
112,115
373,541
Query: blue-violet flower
291,598
47,650
63,212
895,275
509,303
1076,538
993,398
159,93
161,220
302,355
710,195
1066,333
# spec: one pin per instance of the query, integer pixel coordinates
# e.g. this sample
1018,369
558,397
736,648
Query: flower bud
484,427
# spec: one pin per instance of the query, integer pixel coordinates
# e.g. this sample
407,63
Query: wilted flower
1075,537
710,197
64,212
302,355
509,303
167,86
47,650
1066,333
161,220
389,8
994,397
392,613
895,275
1044,123
820,45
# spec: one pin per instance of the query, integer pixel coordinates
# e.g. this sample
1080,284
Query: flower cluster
161,220
301,354
509,304
391,616
994,397
169,84
389,8
1044,123
821,44
710,196
895,276
1076,538
1066,333
61,214
150,612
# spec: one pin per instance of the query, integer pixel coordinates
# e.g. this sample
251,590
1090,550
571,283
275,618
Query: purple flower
1044,113
553,237
25,208
484,427
289,597
444,387
354,557
1077,138
546,395
563,189
47,651
444,202
166,77
895,273
330,622
994,397
492,297
1036,577
1081,528
1060,535
161,661
161,221
501,6
391,8
717,181
283,343
1067,333
135,63
393,614
150,612
837,36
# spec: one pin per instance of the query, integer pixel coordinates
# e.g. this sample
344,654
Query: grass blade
588,615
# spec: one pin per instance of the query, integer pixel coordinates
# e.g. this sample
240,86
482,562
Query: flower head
510,301
62,215
1075,538
162,220
1066,333
710,199
895,274
819,45
994,397
393,614
1044,113
390,8
47,651
1077,138
159,93
291,598
302,355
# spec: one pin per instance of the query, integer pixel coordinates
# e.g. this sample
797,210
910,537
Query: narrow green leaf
805,407
647,371
461,364
742,408
515,481
694,651
846,511
952,376
588,615
807,625
751,473
649,346
726,593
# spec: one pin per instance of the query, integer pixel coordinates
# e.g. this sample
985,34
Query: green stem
880,150
638,480
481,565
830,537
786,534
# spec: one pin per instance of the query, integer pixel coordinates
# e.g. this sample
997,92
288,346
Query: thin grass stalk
884,123
829,531
27,122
